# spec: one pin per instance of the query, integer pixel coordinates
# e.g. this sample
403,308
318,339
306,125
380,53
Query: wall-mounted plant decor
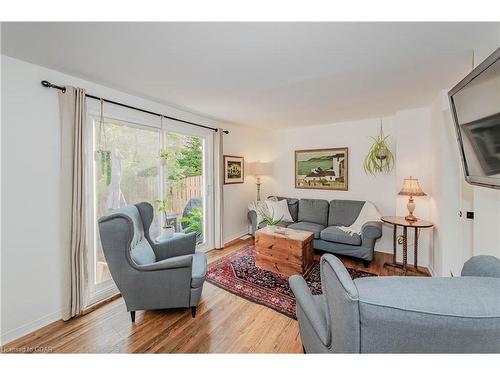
380,158
105,159
102,154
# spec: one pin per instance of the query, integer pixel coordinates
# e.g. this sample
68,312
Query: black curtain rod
63,89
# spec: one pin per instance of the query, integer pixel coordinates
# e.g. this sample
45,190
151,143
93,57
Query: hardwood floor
224,323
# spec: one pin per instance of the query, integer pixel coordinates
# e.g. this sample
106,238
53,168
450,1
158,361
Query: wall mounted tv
475,106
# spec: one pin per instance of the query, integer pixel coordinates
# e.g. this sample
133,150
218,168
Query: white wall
1,206
31,271
246,142
414,158
452,235
409,139
486,202
457,238
355,135
486,221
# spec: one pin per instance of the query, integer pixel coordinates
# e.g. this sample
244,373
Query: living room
249,187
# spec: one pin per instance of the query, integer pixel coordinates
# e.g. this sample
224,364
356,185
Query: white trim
431,270
234,236
103,291
30,327
384,251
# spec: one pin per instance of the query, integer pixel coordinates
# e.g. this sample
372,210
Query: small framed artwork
325,169
233,169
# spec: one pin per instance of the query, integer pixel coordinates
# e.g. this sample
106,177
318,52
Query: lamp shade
259,168
411,187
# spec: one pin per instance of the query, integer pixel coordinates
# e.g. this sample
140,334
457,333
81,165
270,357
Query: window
169,169
182,204
136,149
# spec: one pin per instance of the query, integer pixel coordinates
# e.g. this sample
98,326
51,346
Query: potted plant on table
269,219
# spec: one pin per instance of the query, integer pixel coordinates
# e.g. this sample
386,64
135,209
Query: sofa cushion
279,210
142,253
313,211
344,212
334,234
309,227
293,207
482,265
199,269
455,296
140,249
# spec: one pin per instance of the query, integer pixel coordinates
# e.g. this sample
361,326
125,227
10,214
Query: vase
271,228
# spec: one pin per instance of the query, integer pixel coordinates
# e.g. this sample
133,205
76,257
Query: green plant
194,221
164,154
162,205
105,158
269,218
379,158
190,160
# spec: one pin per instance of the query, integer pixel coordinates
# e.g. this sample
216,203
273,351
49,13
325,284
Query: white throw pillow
279,210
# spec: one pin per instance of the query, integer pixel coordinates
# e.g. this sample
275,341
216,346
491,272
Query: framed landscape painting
325,169
233,169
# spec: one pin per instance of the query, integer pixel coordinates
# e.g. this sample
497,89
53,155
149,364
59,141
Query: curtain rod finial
50,85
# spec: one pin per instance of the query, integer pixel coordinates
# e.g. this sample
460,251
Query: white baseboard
235,236
30,327
383,251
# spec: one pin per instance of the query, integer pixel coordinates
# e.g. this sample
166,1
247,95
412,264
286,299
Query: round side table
401,221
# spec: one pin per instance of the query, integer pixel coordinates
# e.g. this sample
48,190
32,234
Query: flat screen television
475,106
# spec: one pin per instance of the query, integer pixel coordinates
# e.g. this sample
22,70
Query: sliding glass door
183,194
136,161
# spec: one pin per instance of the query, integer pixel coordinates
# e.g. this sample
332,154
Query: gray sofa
323,219
151,275
401,314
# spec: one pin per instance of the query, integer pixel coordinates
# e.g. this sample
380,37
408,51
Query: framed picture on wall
325,168
233,169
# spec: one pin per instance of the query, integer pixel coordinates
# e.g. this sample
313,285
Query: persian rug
236,273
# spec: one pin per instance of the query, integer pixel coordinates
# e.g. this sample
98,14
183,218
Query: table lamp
259,169
412,188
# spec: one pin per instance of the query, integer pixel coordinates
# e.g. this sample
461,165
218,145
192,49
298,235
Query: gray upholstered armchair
151,275
401,314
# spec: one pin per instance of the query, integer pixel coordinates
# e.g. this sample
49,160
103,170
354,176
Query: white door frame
98,292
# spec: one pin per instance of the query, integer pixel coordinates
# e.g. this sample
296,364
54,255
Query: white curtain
72,107
218,188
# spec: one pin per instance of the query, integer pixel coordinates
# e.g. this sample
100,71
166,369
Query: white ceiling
272,75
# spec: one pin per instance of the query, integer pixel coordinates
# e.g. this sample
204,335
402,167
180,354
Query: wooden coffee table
286,253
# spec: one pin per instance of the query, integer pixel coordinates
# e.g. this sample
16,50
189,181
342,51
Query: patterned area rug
237,274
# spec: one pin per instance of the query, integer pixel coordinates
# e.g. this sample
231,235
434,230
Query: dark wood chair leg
304,350
193,311
132,316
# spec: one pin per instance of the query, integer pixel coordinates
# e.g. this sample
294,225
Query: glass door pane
134,149
183,203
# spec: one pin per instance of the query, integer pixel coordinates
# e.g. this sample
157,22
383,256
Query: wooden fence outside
190,187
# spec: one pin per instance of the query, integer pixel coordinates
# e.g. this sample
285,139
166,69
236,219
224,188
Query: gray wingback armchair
401,314
151,275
